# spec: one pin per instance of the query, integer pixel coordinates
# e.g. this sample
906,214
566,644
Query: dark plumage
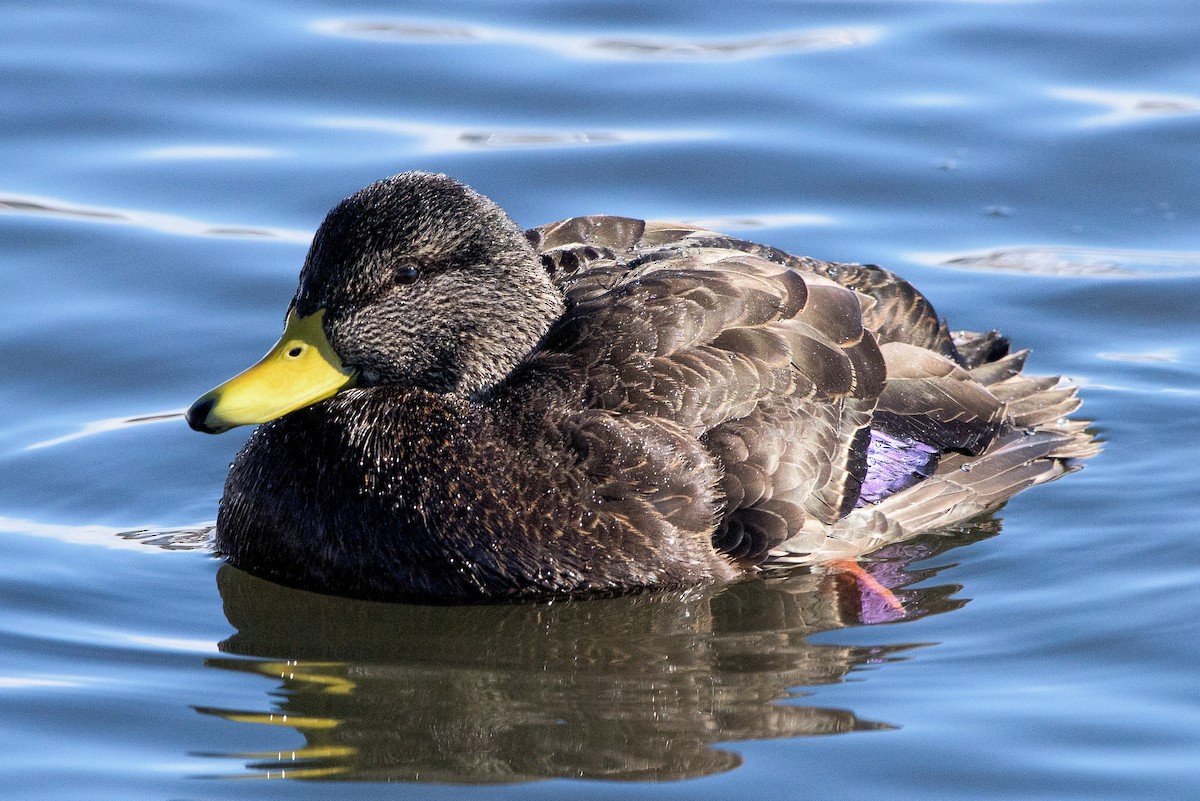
605,404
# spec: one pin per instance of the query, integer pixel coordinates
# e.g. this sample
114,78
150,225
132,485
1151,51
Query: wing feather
764,374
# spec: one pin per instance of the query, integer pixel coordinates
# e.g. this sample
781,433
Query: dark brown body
469,503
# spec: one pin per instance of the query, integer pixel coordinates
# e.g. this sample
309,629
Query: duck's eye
295,351
407,273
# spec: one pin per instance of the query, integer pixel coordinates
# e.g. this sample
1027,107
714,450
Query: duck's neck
500,336
506,336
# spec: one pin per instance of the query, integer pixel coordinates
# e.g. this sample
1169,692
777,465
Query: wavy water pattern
432,138
601,48
1029,164
1075,262
149,220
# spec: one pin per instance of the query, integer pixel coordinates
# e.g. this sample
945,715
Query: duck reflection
632,688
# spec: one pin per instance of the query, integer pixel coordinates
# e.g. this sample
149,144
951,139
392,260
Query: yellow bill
300,370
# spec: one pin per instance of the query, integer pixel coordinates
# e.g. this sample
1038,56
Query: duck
462,411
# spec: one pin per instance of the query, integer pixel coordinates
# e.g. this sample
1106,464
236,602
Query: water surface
1030,165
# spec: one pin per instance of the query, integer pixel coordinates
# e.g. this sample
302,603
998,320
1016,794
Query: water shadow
637,688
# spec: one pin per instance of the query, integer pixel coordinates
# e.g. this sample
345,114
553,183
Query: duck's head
416,280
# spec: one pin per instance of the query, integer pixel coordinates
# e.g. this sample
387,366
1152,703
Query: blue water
1030,165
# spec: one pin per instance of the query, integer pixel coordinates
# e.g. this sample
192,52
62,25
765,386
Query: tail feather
1039,444
997,371
1044,408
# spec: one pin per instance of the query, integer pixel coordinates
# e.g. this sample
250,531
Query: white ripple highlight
95,427
1128,107
37,205
1070,262
185,538
435,138
209,153
614,47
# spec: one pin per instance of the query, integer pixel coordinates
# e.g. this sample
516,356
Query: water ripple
178,538
1071,261
744,222
1161,356
209,152
150,220
94,427
38,682
435,138
1128,107
611,48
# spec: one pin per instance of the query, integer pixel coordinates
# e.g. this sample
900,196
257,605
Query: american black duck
459,410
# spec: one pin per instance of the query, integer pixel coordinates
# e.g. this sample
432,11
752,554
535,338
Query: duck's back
794,410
